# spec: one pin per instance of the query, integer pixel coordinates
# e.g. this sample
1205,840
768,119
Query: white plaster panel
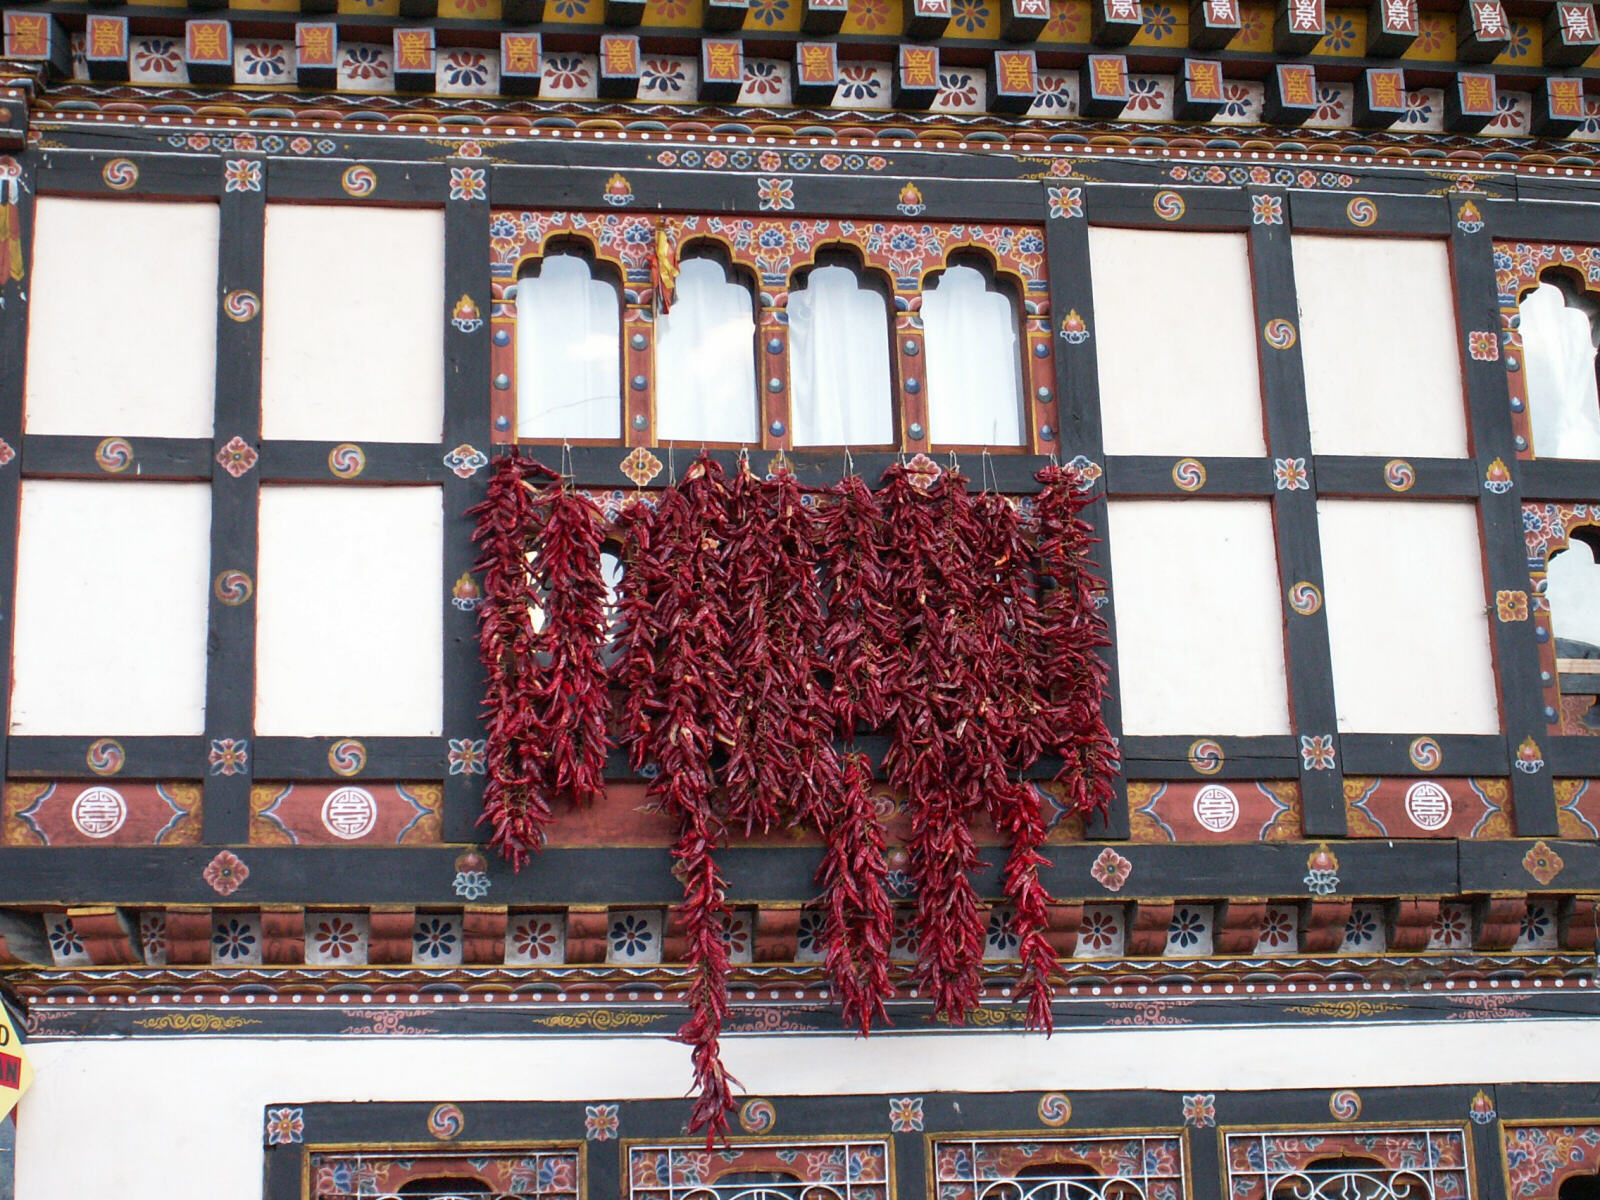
144,1092
111,608
1379,343
1404,592
1175,327
349,611
353,341
1199,617
141,363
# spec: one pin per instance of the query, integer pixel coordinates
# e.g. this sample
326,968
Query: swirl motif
241,305
1169,206
1206,757
1189,474
1362,212
347,757
445,1122
120,174
757,1116
347,460
1345,1104
1304,598
359,181
1398,475
105,756
233,588
1426,754
1279,333
114,455
1055,1110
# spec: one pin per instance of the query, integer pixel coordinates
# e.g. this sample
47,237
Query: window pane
974,367
1383,376
1558,347
568,384
705,367
141,362
1573,589
1176,328
839,362
1199,617
1403,586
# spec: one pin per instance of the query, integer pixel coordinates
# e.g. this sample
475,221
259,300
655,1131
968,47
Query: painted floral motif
241,175
600,1122
869,14
665,76
434,938
1065,20
1316,750
536,939
1001,938
1065,202
1340,34
285,1126
157,56
1330,105
233,941
1159,22
366,62
467,756
1418,109
1511,605
1266,210
775,194
769,12
466,461
1322,872
1145,93
1362,929
229,755
1054,96
859,83
631,936
958,89
64,939
468,183
1538,927
1100,931
470,885
237,457
567,72
1543,863
153,937
970,15
1483,345
1537,1155
1111,870
464,68
1278,930
336,938
226,873
1188,929
905,1114
1200,1109
1237,101
1290,474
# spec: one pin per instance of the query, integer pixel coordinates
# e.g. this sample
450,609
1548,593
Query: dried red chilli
1072,631
857,920
862,630
677,655
547,691
933,674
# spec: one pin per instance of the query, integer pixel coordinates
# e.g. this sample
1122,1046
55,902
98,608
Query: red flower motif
1111,870
226,873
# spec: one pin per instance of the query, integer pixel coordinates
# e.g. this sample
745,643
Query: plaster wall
105,358
181,1118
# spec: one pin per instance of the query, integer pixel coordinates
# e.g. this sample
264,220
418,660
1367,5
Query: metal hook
985,469
672,470
849,465
567,476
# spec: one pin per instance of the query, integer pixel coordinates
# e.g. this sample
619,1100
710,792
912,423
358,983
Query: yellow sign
15,1073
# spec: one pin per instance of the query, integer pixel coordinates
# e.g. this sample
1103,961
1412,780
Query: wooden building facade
1304,298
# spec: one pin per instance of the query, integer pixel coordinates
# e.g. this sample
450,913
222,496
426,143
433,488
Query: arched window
766,1185
1350,1177
568,351
839,380
445,1188
705,359
1559,336
974,371
1572,586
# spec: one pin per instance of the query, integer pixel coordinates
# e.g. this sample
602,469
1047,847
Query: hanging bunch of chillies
1072,631
862,632
934,749
540,632
677,655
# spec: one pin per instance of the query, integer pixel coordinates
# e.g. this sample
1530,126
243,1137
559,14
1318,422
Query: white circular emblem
349,813
1216,807
1428,805
99,811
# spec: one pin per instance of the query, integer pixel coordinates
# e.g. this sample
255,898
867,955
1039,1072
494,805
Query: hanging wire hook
849,465
985,470
672,469
567,476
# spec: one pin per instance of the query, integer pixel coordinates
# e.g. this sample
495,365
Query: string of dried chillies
547,690
860,634
676,663
1073,631
934,672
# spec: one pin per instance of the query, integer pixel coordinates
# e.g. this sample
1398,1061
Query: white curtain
1573,588
705,364
568,352
974,369
839,380
1558,354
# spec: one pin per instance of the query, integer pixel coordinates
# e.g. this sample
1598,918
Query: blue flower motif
472,885
770,239
631,936
970,15
1341,33
1030,243
1159,22
64,939
434,938
902,241
502,227
769,12
899,884
662,75
234,941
